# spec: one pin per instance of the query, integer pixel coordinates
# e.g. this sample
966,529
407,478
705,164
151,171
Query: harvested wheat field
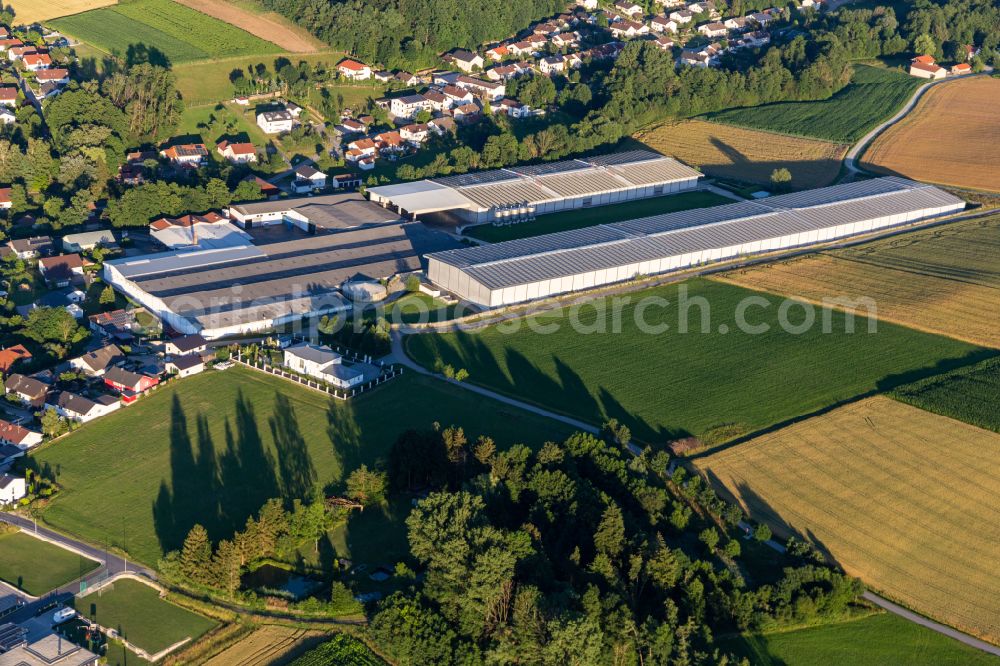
941,280
263,646
745,154
947,138
906,500
32,11
267,25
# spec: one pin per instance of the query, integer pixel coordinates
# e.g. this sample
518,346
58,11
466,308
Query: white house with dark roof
12,488
464,60
322,363
307,179
78,408
408,106
275,122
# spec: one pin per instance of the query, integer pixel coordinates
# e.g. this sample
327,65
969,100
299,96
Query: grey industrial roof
608,246
536,183
331,203
313,353
342,372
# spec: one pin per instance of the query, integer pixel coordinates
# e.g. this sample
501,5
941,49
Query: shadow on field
220,490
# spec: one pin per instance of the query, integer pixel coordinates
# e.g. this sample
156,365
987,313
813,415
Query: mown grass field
745,154
875,640
265,645
214,447
181,34
941,140
945,279
141,616
588,217
970,394
37,566
873,95
32,11
668,383
902,498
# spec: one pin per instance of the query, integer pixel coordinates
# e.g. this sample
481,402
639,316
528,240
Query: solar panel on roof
550,168
622,158
478,178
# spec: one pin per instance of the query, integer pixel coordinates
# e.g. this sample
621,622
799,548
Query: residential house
736,23
754,39
664,43
497,53
62,270
31,248
456,96
925,67
714,29
266,188
130,384
275,122
185,366
491,90
389,142
11,356
467,61
761,19
503,72
51,650
444,78
415,134
351,126
307,179
361,148
971,51
36,61
322,363
514,109
704,7
207,230
383,76
628,29
12,489
12,434
186,154
5,201
354,70
96,362
566,40
694,58
58,76
89,240
346,181
406,79
8,95
629,8
11,43
681,16
26,389
238,153
18,52
443,125
522,48
589,5
436,100
8,454
663,24
75,407
408,106
961,68
552,65
118,324
467,113
186,344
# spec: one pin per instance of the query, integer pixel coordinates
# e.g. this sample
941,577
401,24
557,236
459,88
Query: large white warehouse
523,192
523,270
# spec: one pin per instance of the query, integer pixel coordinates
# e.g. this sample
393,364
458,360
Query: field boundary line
917,618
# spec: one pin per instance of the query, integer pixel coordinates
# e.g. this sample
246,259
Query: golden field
269,26
263,646
32,11
745,154
904,499
942,280
948,138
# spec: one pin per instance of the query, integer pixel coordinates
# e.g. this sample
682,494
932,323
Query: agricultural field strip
841,495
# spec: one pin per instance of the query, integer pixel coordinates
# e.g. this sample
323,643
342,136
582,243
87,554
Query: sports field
873,95
902,498
588,217
179,33
945,279
32,11
970,394
214,447
666,383
141,616
747,154
37,566
264,645
269,26
941,140
875,640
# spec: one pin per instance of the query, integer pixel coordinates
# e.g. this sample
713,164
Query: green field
588,217
214,447
668,384
419,307
179,33
341,649
37,566
875,640
141,616
873,95
969,394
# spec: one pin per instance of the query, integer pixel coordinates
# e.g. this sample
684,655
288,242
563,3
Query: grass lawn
873,95
875,640
178,33
141,616
214,447
419,307
37,566
588,217
901,498
668,383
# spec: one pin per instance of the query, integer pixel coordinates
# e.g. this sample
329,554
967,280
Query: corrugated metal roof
608,246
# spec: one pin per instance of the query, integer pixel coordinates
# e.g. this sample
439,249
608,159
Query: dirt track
270,27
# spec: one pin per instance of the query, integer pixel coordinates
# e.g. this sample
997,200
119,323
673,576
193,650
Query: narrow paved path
931,624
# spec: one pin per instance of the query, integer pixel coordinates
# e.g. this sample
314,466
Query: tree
196,555
609,539
924,45
107,296
781,178
762,532
367,486
710,537
226,567
53,325
53,425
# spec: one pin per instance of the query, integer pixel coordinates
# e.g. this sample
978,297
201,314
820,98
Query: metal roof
608,246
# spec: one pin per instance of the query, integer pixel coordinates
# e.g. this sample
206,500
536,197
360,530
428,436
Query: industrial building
331,211
234,290
520,193
523,270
